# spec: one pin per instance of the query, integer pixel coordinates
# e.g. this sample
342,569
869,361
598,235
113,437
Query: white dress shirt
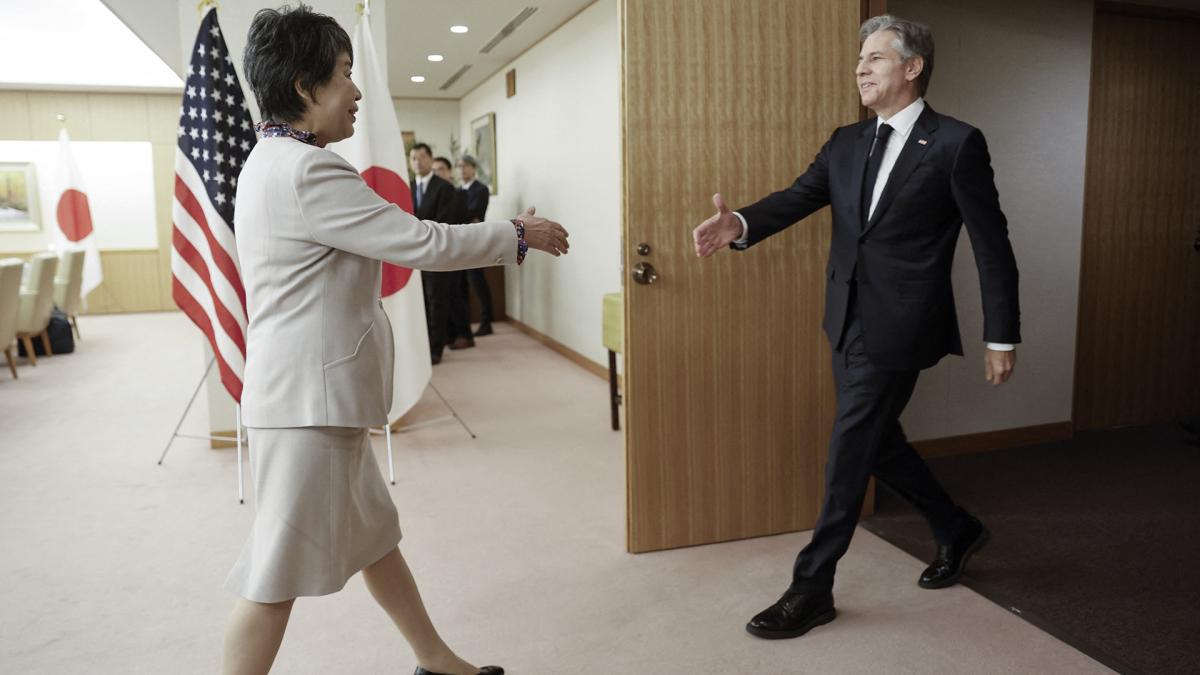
901,124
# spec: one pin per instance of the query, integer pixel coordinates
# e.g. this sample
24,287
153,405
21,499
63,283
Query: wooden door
728,391
1138,343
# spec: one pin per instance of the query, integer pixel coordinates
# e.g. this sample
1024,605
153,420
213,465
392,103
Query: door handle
644,273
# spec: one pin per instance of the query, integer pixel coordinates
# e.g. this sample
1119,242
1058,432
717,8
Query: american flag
215,136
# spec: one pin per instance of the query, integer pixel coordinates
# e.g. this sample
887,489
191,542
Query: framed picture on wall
483,137
18,197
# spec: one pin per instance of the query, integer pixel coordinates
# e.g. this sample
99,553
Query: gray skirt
323,513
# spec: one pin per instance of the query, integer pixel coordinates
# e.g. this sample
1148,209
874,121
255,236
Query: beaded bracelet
522,247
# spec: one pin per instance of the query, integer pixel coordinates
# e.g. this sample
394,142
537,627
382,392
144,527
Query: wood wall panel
132,282
1138,354
729,398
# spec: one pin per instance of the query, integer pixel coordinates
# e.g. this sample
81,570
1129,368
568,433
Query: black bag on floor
62,340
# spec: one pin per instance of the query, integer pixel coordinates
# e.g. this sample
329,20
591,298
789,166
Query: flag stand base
394,428
175,434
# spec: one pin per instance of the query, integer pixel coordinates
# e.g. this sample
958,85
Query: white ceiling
417,29
414,29
93,50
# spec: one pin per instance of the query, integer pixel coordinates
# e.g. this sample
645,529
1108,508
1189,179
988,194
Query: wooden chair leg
613,397
12,364
46,343
25,340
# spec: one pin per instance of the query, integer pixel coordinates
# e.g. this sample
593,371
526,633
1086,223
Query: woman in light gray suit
310,235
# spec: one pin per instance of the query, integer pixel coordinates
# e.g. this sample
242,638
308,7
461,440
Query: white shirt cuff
1000,347
745,230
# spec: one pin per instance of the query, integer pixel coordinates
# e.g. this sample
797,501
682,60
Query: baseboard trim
231,443
563,350
995,440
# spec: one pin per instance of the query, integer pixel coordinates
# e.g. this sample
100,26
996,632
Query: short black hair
286,45
423,146
445,161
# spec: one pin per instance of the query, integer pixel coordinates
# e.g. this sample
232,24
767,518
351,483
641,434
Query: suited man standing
433,199
901,186
458,327
478,195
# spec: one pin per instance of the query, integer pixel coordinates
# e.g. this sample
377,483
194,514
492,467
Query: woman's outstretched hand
544,235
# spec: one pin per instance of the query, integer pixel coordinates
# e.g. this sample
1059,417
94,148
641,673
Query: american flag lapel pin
922,141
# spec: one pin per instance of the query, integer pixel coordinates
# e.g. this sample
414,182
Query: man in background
433,199
477,195
458,326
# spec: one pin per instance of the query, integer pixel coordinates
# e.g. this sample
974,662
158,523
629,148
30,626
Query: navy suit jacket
900,260
477,202
438,203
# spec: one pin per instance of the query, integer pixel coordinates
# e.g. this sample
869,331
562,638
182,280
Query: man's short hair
445,161
289,45
912,39
467,159
423,146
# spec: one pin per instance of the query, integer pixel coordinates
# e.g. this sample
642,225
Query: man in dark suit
458,324
477,203
901,186
433,199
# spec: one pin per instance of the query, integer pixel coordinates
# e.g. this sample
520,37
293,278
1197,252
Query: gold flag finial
205,4
62,119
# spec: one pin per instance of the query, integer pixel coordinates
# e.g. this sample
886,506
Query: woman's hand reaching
544,235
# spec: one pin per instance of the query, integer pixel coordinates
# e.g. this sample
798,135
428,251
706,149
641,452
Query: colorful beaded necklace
269,129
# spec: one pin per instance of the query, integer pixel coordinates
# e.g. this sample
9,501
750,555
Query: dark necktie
421,192
873,164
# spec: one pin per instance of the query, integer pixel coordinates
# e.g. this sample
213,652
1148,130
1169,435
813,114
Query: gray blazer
310,235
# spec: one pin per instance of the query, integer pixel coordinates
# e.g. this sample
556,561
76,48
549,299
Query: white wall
558,148
118,179
1020,71
434,121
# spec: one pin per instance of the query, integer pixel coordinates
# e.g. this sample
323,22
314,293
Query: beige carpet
112,564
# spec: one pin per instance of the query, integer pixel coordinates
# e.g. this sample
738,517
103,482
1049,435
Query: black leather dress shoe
486,670
484,329
952,558
793,615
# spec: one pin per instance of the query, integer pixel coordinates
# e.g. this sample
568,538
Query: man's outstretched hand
544,235
719,231
998,365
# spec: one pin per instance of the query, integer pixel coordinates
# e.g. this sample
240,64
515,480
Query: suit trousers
437,286
868,441
483,293
459,315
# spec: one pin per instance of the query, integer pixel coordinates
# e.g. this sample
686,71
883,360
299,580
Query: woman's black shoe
484,670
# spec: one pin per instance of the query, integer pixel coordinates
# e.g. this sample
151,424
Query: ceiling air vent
508,29
454,78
